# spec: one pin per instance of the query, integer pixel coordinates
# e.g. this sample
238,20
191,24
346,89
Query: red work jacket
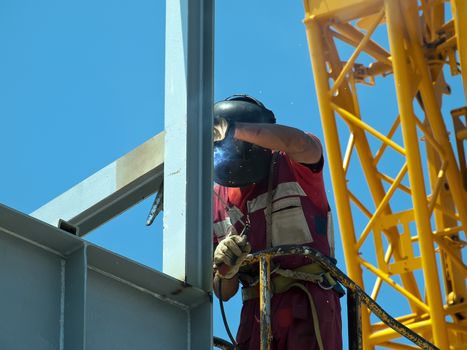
299,216
299,210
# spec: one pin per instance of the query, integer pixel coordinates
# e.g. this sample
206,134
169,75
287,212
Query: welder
269,191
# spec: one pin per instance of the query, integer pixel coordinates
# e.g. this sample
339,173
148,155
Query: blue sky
82,83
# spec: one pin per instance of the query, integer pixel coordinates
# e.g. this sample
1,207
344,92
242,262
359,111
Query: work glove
222,128
231,252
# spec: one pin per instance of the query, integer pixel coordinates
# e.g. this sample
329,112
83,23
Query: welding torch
223,268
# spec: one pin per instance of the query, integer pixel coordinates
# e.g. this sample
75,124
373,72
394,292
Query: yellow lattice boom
398,171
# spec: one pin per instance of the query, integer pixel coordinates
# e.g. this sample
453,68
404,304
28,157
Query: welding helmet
238,163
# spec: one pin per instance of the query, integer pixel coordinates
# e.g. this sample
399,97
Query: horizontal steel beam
110,191
61,292
55,241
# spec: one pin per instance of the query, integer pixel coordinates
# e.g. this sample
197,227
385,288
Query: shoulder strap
272,168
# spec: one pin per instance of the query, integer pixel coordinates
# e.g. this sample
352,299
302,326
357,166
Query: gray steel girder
111,190
61,292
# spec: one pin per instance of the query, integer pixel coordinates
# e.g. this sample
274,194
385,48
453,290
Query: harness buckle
324,282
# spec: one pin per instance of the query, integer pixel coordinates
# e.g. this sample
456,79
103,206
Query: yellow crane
404,234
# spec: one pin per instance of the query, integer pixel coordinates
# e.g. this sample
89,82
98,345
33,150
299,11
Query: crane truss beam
396,212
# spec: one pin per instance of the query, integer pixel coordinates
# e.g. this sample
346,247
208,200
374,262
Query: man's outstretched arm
299,146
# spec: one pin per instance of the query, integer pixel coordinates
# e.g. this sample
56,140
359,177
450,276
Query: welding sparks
221,150
219,155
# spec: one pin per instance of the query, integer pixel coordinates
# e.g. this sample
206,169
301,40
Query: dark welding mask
238,163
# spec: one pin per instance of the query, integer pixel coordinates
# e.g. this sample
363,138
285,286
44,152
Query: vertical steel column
344,213
433,111
332,145
188,153
265,301
188,141
74,317
396,30
454,282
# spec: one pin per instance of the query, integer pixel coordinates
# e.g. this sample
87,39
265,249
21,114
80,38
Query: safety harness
285,278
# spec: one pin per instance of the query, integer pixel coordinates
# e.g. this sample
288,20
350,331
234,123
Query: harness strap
314,314
269,201
284,279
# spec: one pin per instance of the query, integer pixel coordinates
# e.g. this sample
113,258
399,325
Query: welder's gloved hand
222,128
230,253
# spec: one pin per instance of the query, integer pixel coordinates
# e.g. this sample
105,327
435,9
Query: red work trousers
292,321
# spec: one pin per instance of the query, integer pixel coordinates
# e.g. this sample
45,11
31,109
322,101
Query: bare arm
229,287
298,145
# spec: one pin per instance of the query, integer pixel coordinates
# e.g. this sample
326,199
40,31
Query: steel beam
74,300
61,292
30,295
188,152
318,48
110,191
106,301
188,141
402,71
186,148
